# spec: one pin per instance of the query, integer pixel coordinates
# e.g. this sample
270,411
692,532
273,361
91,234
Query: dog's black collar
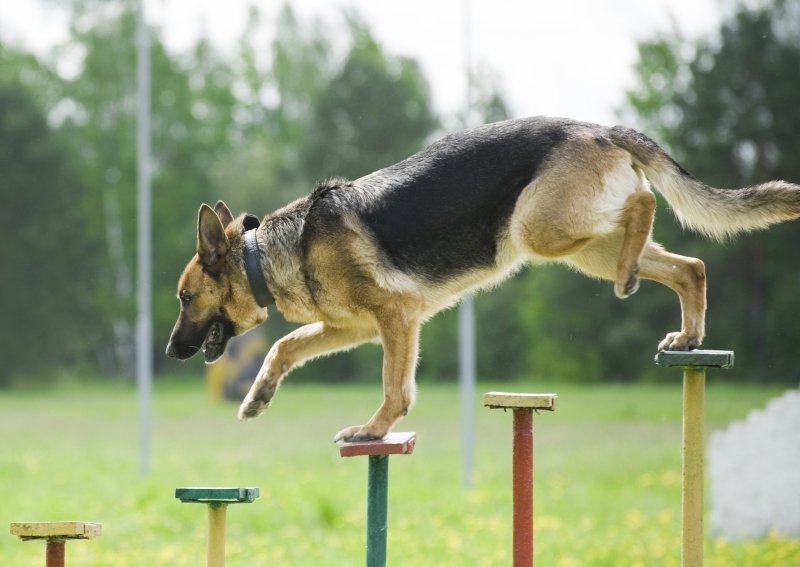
252,267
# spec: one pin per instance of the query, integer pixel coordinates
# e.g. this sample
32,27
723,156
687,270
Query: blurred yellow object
231,376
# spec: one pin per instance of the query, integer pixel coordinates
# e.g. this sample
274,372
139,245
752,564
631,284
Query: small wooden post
216,533
56,534
523,406
378,452
217,500
694,364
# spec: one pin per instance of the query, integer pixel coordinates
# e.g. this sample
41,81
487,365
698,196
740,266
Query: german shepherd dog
372,259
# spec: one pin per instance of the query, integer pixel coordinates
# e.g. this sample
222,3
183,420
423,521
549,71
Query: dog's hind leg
684,275
637,220
299,346
399,324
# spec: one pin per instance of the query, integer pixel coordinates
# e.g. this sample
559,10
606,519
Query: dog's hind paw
629,287
679,341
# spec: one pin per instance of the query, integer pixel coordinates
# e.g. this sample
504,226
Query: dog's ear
212,243
224,213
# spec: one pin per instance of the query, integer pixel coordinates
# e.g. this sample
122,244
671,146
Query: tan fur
599,222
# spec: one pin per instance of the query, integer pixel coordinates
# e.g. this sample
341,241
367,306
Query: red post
523,487
54,555
523,406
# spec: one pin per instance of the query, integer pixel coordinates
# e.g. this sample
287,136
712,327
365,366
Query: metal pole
377,510
466,365
144,324
693,453
523,487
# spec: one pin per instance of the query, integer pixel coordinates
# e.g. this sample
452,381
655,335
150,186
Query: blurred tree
192,118
732,118
47,255
276,102
376,111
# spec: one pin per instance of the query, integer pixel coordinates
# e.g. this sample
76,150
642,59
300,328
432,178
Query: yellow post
694,381
694,364
216,534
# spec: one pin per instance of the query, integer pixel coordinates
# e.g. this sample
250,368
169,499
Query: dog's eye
185,297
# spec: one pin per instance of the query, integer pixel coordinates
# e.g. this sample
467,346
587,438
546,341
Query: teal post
377,509
378,452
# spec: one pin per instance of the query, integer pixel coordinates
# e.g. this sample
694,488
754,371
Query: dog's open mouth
219,332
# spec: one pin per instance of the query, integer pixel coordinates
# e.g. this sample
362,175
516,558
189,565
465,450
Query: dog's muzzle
211,339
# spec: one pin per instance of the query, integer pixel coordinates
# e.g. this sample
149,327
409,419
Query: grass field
607,478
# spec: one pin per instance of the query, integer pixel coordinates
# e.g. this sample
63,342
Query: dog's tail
718,213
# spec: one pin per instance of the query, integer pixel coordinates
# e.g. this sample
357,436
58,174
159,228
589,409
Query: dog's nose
172,352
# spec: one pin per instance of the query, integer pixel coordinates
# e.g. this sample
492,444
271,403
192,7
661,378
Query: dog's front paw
254,404
251,408
679,341
256,401
358,433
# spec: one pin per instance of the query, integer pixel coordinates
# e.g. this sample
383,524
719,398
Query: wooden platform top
695,358
56,530
508,400
399,443
216,494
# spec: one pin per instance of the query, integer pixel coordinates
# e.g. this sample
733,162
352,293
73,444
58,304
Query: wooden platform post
56,534
217,500
694,364
378,486
523,406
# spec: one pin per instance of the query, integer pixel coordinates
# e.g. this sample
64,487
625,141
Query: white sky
561,57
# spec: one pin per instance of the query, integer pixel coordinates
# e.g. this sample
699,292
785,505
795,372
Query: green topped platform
217,498
695,358
209,495
694,364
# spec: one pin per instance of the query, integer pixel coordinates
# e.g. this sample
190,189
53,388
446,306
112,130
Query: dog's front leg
305,343
400,337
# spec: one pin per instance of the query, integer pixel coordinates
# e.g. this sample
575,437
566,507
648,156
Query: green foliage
48,259
662,73
731,116
376,111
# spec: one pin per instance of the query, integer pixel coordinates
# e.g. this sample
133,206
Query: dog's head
215,296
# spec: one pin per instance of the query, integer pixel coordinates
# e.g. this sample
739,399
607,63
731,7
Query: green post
377,509
378,452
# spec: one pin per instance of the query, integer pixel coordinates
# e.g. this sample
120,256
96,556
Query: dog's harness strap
252,267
